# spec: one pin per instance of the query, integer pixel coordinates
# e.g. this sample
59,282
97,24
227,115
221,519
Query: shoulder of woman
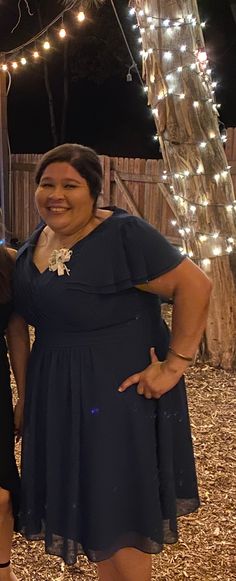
11,252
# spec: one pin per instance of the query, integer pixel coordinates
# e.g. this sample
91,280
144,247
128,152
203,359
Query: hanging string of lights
196,62
40,43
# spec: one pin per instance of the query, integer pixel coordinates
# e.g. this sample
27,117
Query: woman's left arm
18,342
190,290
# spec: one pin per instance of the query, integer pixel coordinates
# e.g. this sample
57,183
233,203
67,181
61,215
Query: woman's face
63,198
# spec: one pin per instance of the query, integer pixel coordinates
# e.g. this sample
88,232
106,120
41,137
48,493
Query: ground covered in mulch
206,548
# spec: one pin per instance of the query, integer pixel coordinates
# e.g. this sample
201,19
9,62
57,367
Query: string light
81,16
7,56
62,33
46,45
202,59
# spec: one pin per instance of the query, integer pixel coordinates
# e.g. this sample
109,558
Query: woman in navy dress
108,463
15,329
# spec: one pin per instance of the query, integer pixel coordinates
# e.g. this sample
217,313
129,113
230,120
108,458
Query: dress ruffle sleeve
128,252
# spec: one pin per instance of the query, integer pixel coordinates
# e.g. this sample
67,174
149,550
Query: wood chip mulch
206,547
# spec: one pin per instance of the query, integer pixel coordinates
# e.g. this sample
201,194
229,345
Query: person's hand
153,381
18,418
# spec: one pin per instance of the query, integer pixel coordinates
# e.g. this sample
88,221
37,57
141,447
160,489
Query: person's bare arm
17,335
190,290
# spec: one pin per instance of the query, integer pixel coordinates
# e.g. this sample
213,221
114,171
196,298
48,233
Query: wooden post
4,155
180,94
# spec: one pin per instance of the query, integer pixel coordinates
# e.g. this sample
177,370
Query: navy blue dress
101,469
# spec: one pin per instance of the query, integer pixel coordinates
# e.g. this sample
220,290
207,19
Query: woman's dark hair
81,158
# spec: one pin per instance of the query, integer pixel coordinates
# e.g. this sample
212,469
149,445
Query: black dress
9,478
101,469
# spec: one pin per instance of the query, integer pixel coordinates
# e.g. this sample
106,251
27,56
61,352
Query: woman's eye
69,186
46,185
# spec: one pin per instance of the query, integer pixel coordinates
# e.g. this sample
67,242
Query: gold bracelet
180,355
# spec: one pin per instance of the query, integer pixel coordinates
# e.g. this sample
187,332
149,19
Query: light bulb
4,67
168,55
193,209
216,250
179,69
132,11
203,144
152,78
166,22
14,65
46,45
229,249
206,263
182,96
36,54
183,48
202,56
202,238
173,222
230,240
62,33
23,61
81,16
196,104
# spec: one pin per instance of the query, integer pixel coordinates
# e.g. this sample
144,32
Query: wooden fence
133,184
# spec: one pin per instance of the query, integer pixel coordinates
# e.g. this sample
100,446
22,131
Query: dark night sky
110,115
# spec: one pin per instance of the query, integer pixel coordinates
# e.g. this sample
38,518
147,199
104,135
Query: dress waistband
74,338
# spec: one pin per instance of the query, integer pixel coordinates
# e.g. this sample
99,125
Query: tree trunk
48,88
186,117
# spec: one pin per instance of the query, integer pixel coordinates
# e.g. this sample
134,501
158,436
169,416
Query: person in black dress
14,327
107,463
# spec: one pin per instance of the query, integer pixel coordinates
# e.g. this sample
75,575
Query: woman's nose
56,193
